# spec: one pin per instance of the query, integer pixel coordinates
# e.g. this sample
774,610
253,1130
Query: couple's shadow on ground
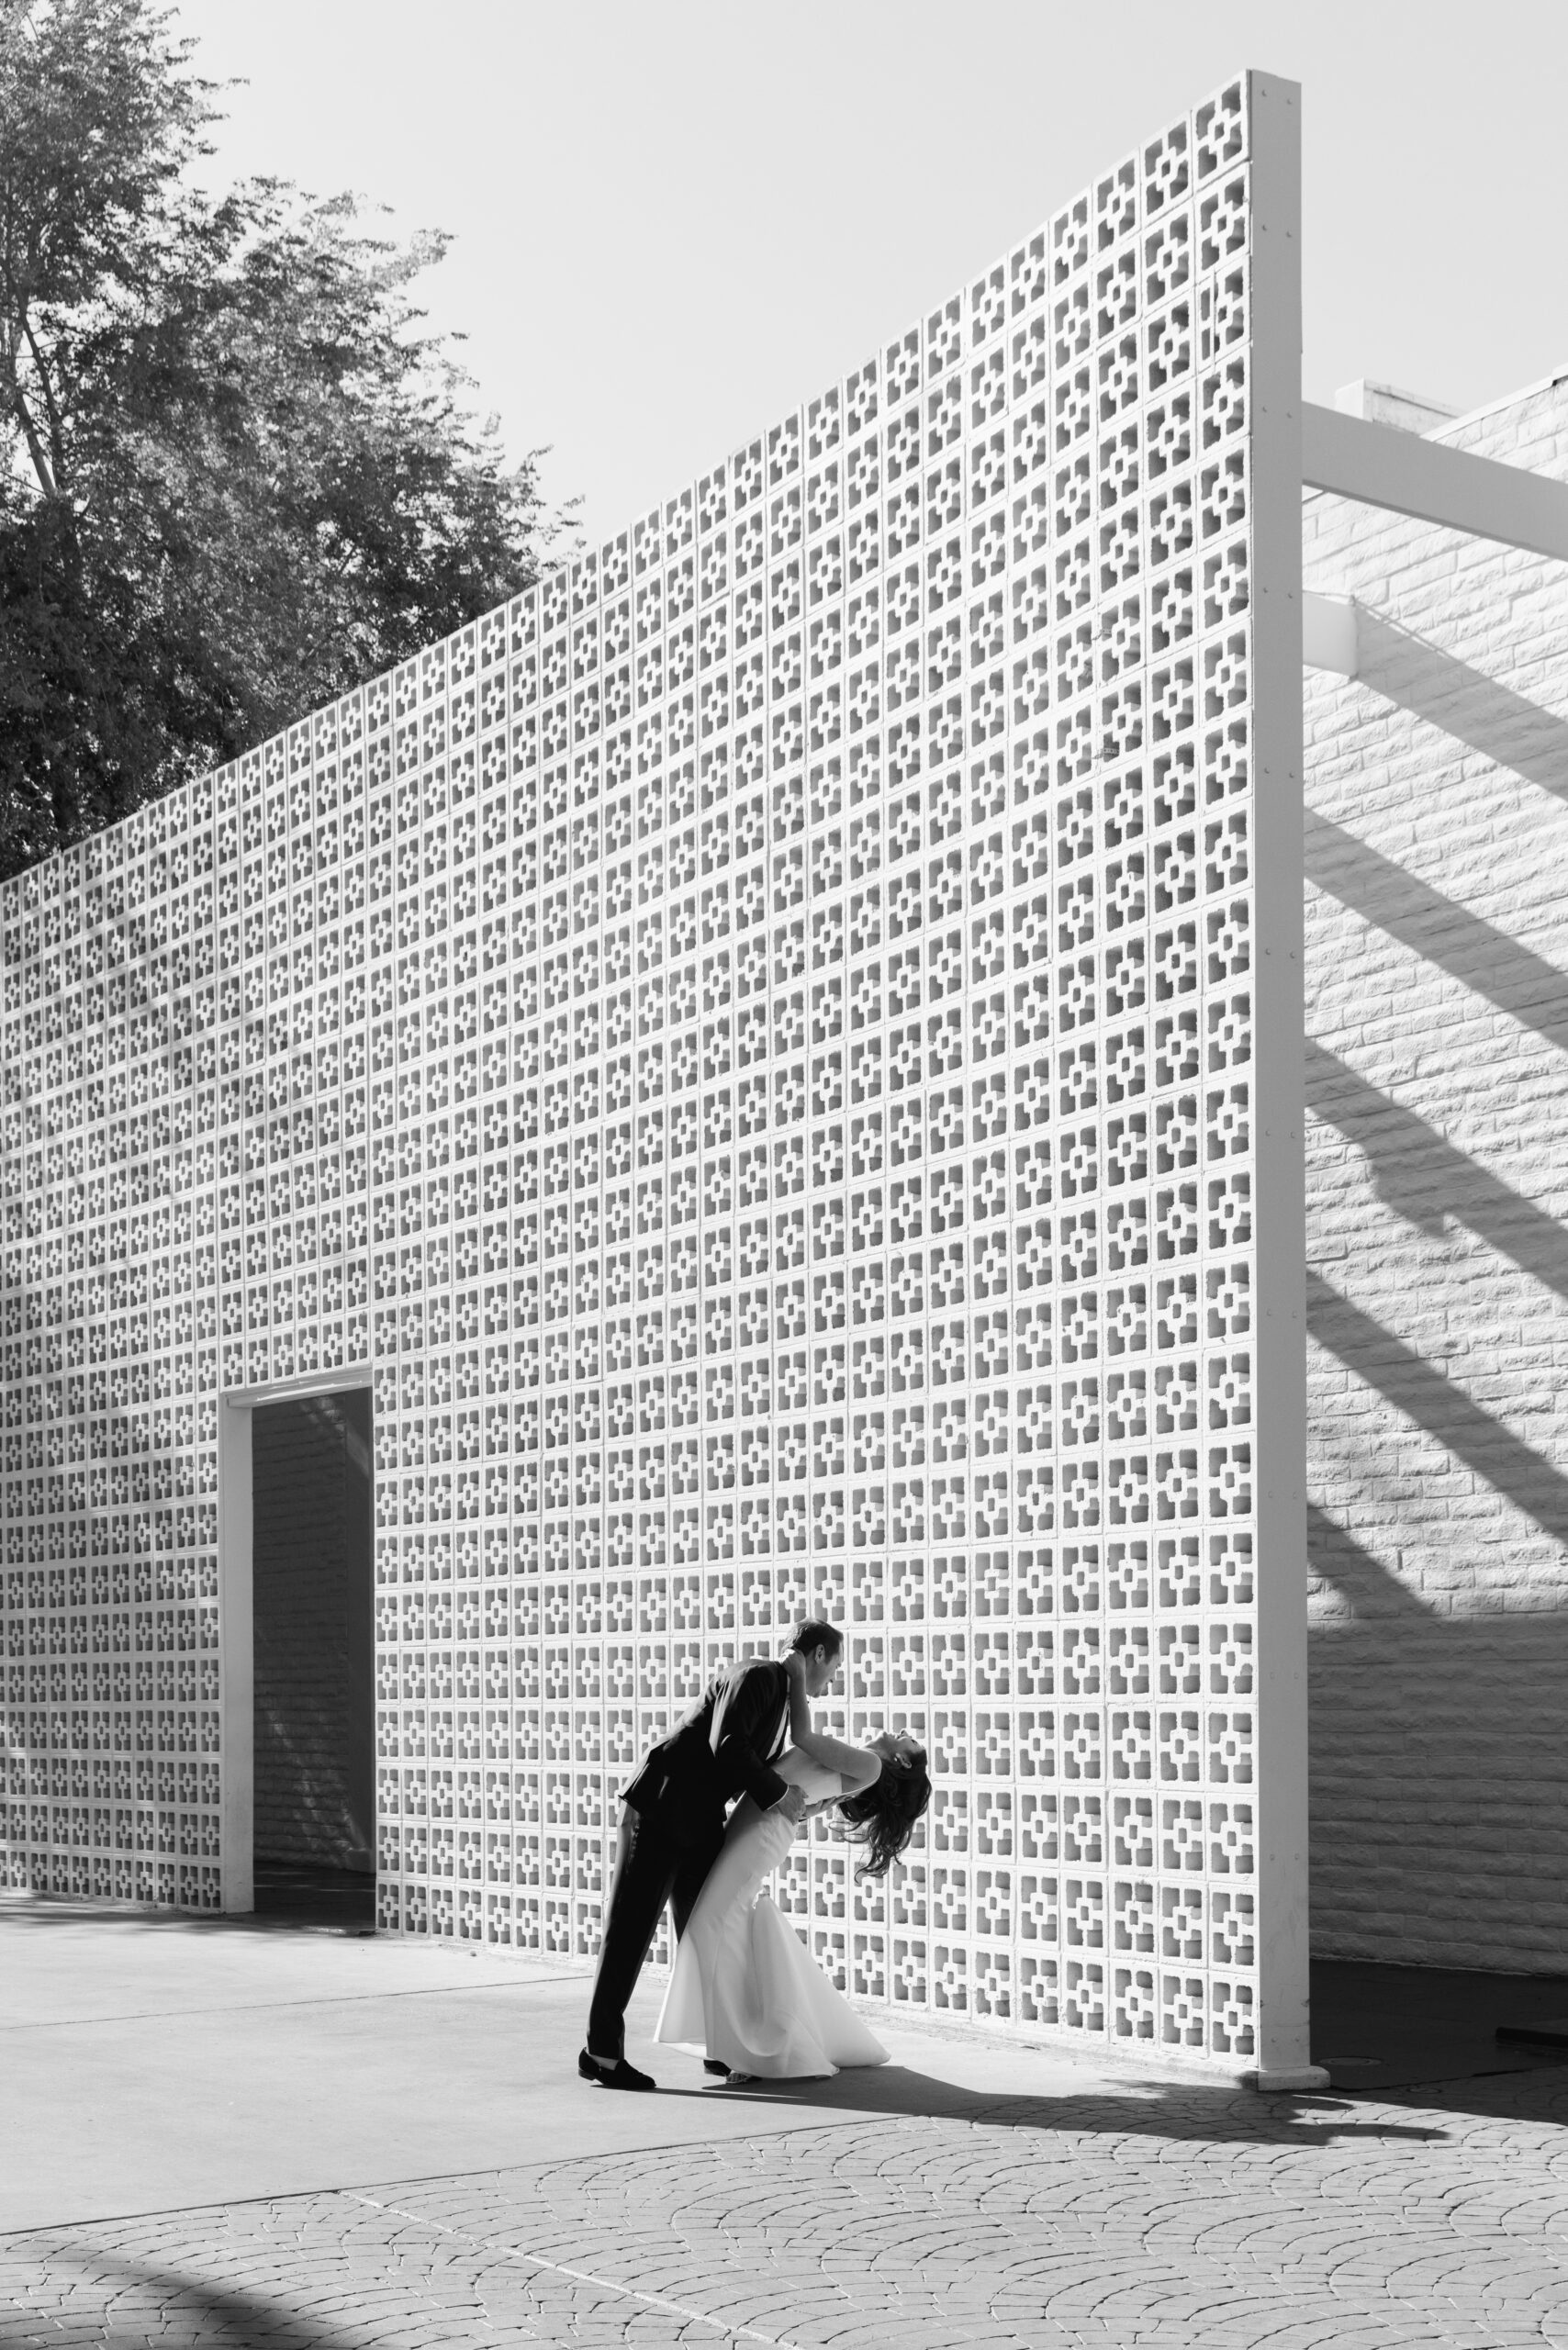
1140,2107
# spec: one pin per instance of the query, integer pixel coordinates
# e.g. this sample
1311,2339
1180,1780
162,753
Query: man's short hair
817,1636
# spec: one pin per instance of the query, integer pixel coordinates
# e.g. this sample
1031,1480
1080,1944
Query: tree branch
56,430
30,432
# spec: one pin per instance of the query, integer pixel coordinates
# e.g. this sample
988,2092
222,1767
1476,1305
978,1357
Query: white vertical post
1279,1206
237,1639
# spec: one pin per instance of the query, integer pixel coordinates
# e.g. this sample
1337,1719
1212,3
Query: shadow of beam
1410,1382
1373,1589
1473,708
1513,976
1425,1179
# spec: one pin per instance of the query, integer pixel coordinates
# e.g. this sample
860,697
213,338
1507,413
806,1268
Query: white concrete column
1280,1315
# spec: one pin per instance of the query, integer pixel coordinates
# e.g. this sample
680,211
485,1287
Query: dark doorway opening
315,1659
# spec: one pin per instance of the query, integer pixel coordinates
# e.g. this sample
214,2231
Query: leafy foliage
235,476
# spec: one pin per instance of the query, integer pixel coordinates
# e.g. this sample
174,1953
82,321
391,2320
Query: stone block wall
1436,855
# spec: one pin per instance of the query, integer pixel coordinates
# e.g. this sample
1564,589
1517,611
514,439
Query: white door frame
236,1613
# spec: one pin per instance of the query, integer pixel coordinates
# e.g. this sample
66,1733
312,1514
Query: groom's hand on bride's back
793,1803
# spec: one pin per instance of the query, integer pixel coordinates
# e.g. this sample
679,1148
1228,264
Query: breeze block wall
1437,846
753,1043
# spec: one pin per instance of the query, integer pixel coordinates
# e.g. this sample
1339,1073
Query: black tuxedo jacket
684,1784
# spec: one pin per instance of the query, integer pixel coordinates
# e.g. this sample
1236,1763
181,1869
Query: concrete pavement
171,2061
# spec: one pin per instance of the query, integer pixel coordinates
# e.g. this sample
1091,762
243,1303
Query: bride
745,1987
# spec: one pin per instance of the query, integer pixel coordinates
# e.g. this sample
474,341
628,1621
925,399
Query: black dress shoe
716,2065
619,2075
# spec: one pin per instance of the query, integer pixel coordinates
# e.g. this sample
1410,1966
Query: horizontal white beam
1380,466
1328,634
309,1383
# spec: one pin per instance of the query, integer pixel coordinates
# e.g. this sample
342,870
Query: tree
235,474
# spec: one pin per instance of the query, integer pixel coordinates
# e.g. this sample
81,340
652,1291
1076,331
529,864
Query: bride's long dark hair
884,1816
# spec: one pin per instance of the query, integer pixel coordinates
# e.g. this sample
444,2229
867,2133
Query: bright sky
675,219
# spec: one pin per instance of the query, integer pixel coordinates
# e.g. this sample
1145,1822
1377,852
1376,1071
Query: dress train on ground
746,1990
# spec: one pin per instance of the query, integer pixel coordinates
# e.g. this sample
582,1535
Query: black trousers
649,1870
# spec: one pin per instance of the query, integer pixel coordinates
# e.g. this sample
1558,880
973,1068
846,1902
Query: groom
672,1823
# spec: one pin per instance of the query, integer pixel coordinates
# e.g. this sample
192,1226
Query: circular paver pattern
1169,2217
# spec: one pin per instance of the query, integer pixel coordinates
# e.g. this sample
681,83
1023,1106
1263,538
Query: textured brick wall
315,1798
1437,1260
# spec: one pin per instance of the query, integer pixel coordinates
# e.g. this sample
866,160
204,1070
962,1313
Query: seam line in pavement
422,2178
582,2276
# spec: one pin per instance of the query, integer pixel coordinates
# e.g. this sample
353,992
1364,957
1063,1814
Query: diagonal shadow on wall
1439,1775
1461,702
1374,1592
1427,1180
1518,981
1410,1382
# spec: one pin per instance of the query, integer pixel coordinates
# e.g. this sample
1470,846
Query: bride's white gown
745,1989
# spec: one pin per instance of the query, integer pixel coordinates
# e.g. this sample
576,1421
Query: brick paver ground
1179,2218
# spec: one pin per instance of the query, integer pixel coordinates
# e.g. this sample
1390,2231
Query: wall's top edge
1505,400
1205,134
1454,427
1010,301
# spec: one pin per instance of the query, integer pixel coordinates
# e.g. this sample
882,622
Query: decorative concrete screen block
763,1047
